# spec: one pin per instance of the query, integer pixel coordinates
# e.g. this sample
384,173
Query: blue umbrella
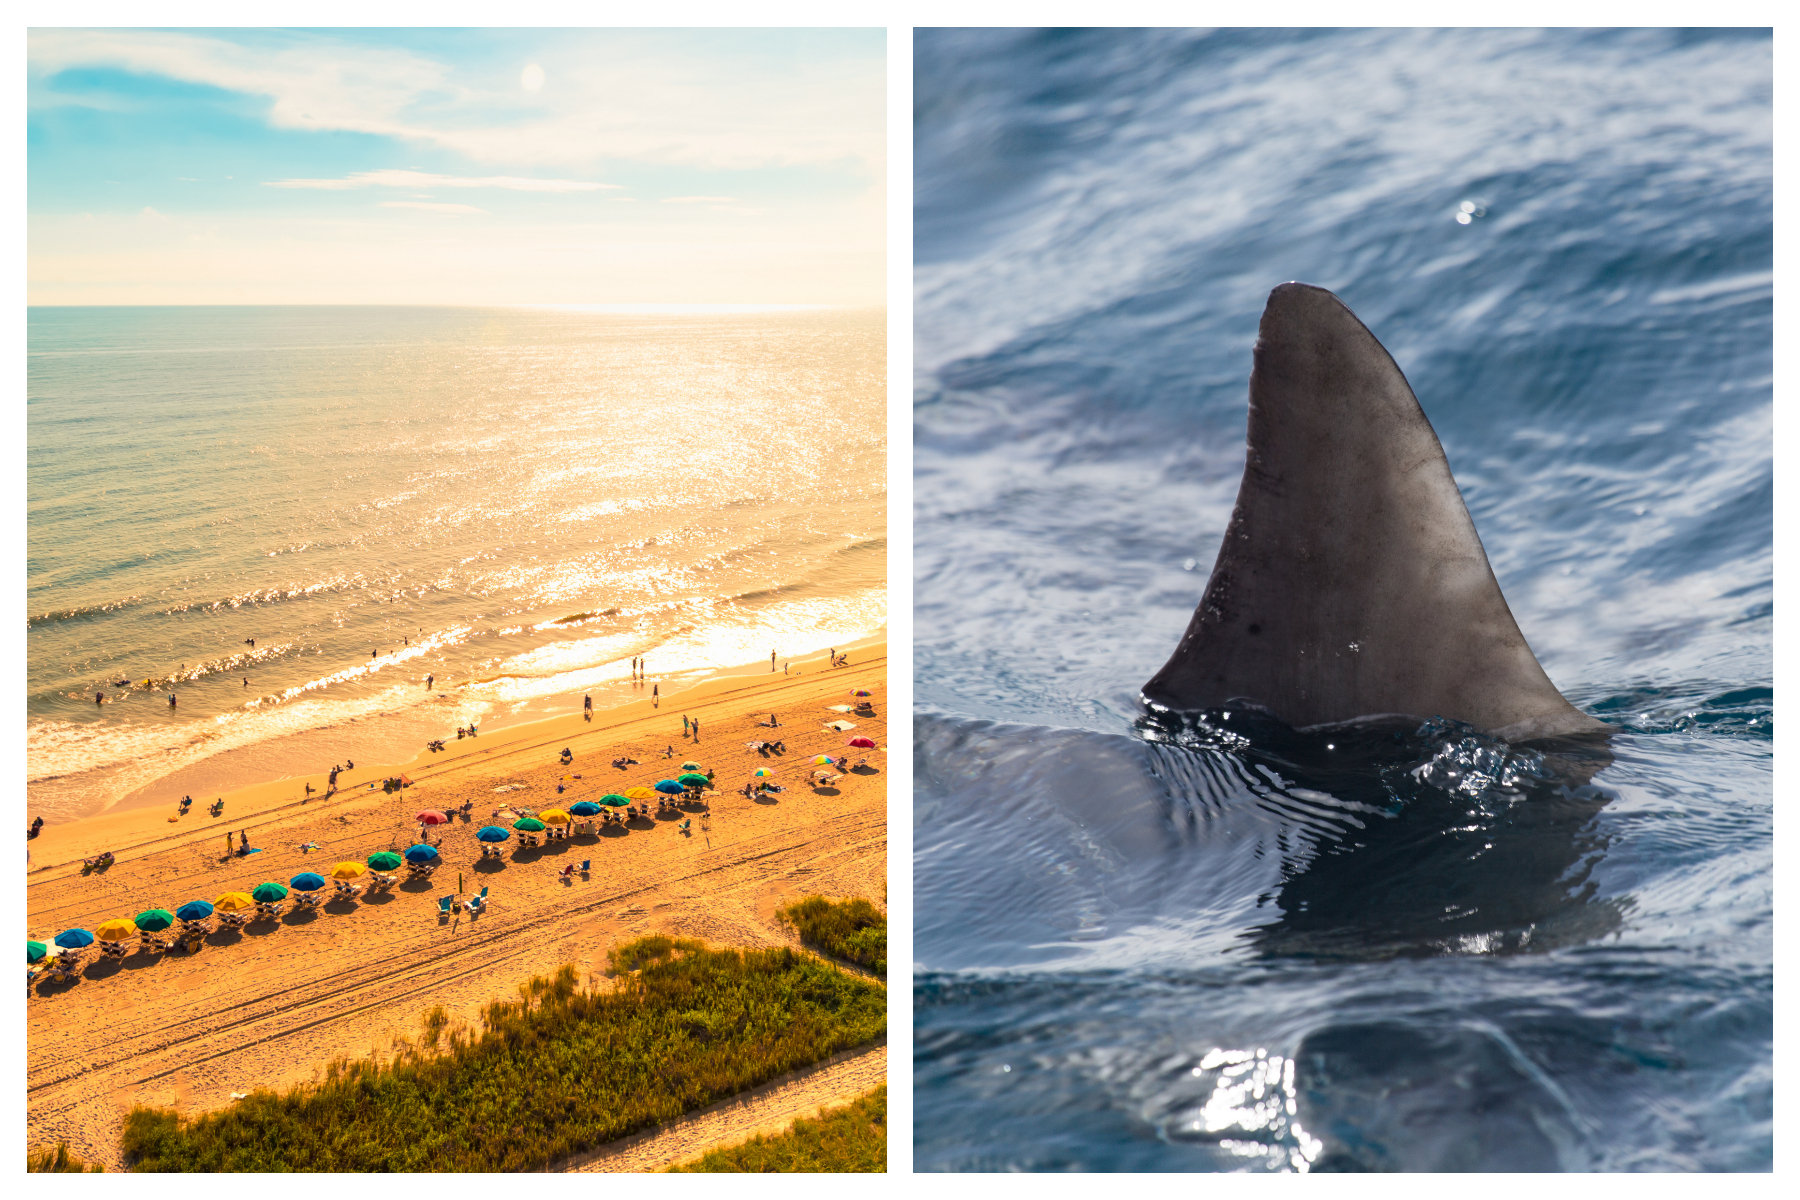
584,808
307,881
420,853
74,939
493,833
194,910
669,787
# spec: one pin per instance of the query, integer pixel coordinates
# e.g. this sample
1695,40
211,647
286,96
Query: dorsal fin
1351,581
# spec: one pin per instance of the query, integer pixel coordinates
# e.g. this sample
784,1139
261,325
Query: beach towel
840,726
839,707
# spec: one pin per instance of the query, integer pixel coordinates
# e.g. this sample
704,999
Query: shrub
851,1138
559,1070
853,930
59,1159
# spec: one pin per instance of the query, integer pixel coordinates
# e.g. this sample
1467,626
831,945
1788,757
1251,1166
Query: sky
417,166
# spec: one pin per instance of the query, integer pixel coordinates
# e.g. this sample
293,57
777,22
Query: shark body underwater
1352,752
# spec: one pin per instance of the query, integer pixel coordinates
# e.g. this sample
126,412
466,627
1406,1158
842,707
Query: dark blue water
1150,944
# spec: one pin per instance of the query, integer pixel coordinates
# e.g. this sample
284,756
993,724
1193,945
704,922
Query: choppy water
1178,945
516,501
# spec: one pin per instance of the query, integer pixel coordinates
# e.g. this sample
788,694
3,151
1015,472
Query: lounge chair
150,943
444,905
114,949
347,890
305,900
270,909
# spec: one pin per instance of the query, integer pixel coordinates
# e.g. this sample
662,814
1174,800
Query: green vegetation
852,1138
853,930
59,1159
560,1070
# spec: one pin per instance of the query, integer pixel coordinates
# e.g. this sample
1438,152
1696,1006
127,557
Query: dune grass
851,1138
853,930
561,1069
59,1159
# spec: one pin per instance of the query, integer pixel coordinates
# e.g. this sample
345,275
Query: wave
81,612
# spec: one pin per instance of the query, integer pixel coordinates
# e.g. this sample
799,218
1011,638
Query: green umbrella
529,825
35,952
269,893
693,779
614,801
154,920
385,860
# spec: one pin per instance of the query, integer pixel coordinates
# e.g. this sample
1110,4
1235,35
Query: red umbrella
861,743
432,816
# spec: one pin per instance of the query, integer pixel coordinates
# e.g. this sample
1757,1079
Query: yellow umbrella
116,930
639,793
234,902
554,816
349,870
823,759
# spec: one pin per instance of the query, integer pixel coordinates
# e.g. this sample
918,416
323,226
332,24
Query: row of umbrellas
155,920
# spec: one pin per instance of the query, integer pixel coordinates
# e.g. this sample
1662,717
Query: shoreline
146,825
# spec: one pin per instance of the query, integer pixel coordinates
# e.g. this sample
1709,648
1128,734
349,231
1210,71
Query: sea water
1161,943
287,518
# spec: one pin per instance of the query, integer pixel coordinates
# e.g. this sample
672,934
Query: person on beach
771,662
696,731
684,725
656,695
428,680
246,681
587,708
35,826
668,752
171,699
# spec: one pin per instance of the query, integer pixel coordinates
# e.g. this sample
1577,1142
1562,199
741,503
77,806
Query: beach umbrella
824,760
306,881
669,787
430,816
694,779
154,920
640,793
492,833
862,692
239,901
74,939
269,893
36,952
692,766
620,801
384,860
762,773
116,930
421,854
349,870
585,808
861,743
554,816
528,825
194,910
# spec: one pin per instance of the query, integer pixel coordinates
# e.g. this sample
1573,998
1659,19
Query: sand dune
267,1007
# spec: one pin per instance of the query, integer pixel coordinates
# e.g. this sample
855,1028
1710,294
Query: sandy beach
268,1006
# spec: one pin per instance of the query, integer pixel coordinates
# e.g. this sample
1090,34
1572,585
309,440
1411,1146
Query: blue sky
456,166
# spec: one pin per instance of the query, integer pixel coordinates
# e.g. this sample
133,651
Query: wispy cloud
420,179
701,200
625,95
461,210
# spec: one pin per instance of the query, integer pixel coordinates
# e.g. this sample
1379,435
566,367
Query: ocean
1145,943
288,518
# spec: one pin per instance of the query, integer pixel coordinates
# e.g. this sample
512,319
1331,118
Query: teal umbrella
492,833
307,881
74,939
669,787
195,910
154,920
421,853
584,808
35,952
269,893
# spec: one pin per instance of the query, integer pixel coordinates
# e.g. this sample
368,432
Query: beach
268,1007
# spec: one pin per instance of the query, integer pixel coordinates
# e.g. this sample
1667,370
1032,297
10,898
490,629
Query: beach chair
444,905
347,890
305,900
270,910
114,949
149,943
